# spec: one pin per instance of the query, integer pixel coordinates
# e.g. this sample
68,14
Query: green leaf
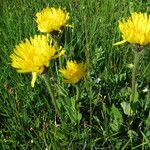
73,110
116,117
127,108
148,120
132,133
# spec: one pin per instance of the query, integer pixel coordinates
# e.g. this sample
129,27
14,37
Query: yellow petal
135,29
120,42
34,76
74,72
51,19
59,54
70,26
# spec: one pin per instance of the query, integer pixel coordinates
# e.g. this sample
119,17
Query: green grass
96,120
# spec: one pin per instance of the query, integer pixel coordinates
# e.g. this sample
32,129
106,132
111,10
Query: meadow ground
94,114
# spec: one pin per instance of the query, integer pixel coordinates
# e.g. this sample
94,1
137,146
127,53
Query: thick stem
77,93
77,98
50,93
87,80
134,73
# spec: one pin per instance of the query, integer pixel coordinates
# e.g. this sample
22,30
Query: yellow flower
51,19
74,72
136,29
33,55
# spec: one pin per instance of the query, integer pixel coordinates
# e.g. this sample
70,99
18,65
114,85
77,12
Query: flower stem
134,73
77,93
50,93
87,80
77,98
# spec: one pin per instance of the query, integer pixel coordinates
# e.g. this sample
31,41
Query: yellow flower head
33,55
136,29
51,19
74,72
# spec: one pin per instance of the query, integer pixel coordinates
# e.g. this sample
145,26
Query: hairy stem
44,77
134,73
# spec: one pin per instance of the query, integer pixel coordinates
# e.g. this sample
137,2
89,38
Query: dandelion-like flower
33,55
51,19
136,29
74,72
